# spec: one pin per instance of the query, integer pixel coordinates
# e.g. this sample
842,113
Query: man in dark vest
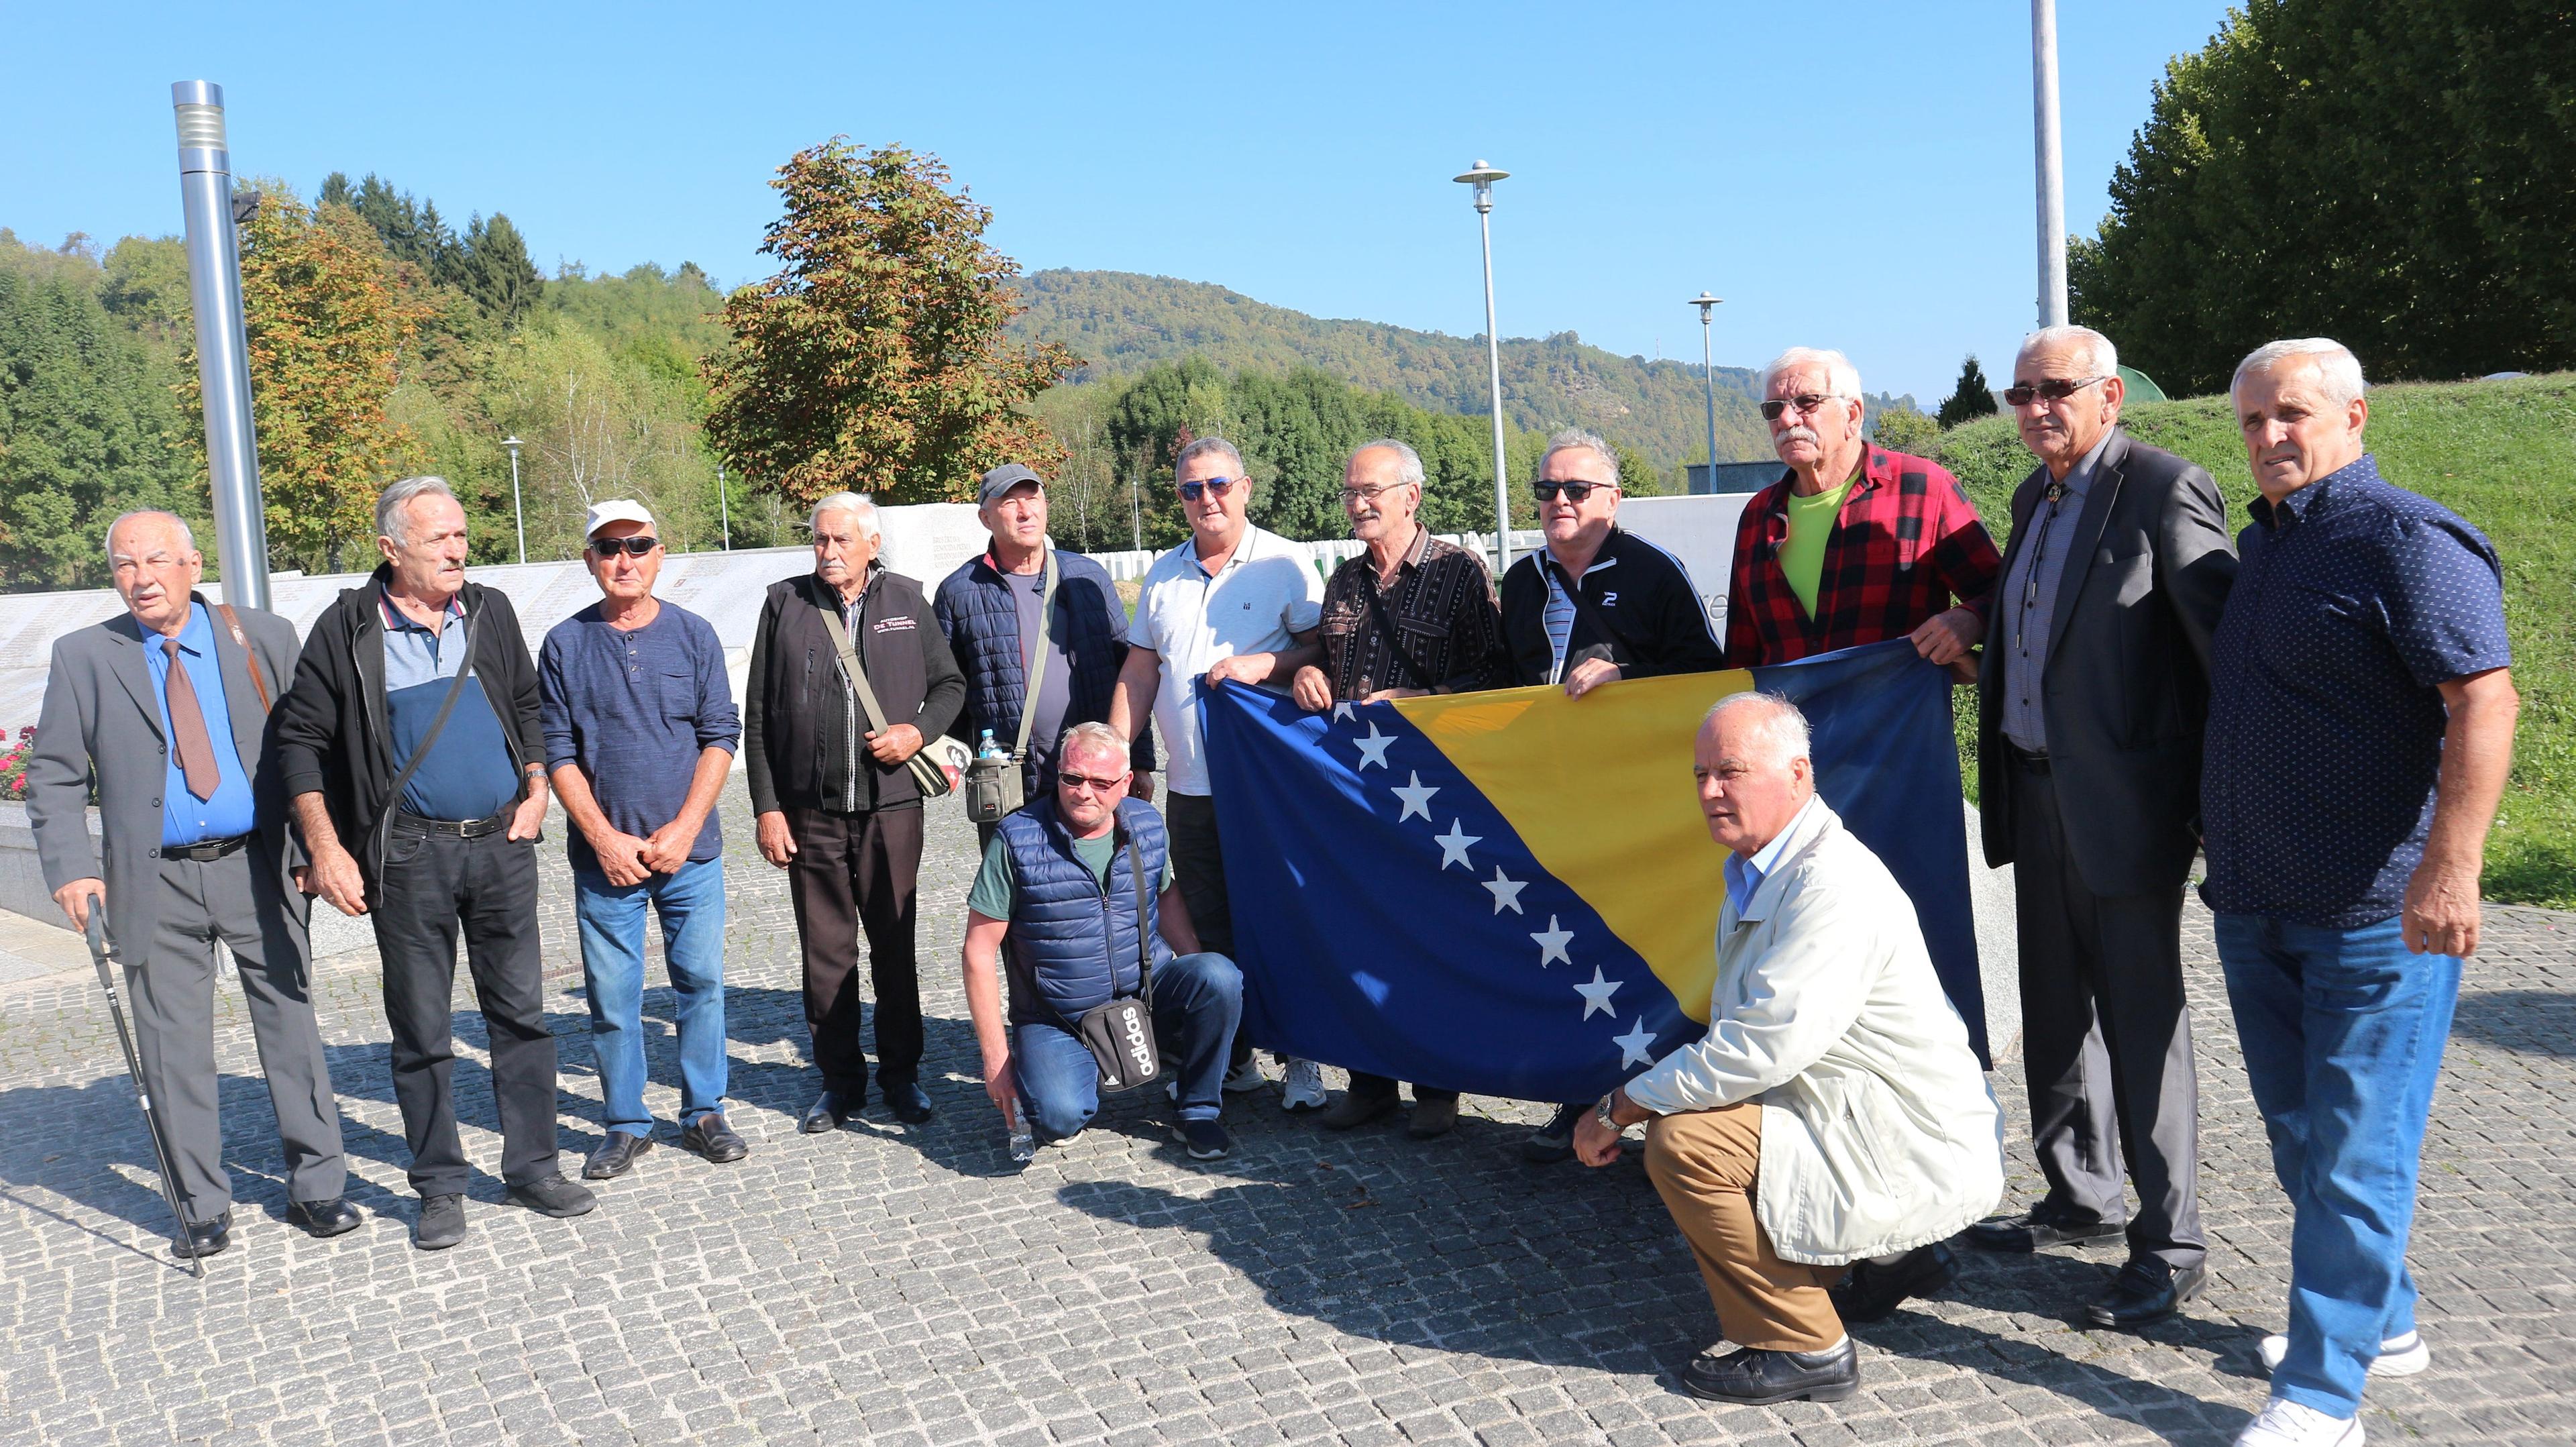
1057,902
836,806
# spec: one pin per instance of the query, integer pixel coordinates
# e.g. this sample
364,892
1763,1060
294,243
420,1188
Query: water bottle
1024,1145
988,749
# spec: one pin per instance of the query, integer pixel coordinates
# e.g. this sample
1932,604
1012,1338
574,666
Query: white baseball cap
616,510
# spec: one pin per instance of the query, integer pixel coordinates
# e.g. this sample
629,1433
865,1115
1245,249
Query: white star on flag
1342,714
1416,797
1596,996
1552,942
1453,845
1373,748
1635,1045
1507,891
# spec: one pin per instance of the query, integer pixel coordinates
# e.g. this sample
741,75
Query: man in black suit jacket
2091,700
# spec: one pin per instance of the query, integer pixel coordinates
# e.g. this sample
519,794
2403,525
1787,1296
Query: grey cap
1002,479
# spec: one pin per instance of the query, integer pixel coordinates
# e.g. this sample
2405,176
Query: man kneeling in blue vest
1059,881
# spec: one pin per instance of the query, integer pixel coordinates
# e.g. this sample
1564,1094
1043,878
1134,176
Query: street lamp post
724,509
1483,177
223,348
1708,376
517,513
2052,174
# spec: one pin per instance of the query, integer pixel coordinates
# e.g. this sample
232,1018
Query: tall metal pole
2052,177
1708,377
517,513
223,344
1483,177
724,508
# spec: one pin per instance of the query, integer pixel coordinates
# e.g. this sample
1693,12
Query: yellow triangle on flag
1600,789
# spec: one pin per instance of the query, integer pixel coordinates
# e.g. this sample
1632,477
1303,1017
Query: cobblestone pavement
894,1286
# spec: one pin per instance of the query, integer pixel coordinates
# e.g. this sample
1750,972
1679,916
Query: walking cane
100,956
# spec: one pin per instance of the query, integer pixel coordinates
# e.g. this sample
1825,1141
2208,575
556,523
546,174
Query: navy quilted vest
1073,946
975,610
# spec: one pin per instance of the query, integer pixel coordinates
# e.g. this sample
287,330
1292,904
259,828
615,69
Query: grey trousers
238,900
2106,1039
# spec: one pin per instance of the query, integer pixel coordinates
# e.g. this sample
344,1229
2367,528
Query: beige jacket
1878,1130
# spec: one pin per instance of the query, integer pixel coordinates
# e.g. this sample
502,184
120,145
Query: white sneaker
2399,1356
1245,1077
1305,1087
2284,1423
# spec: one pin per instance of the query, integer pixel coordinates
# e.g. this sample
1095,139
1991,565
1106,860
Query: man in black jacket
411,750
2092,698
837,806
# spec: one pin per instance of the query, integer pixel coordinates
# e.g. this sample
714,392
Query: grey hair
1842,379
391,502
1781,721
187,539
1201,446
861,509
1574,437
1092,735
2100,358
2338,370
1409,462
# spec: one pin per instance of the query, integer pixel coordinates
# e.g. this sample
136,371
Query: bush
13,765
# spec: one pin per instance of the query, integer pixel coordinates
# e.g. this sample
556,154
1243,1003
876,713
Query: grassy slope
2500,454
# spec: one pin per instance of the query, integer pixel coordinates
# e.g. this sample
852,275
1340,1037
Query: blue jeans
1198,1000
691,904
2343,1033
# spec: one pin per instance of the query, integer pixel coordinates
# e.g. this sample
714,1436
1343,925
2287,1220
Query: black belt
2034,760
456,829
207,852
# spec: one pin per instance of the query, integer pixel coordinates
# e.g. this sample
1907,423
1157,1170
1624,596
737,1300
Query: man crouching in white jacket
1834,1112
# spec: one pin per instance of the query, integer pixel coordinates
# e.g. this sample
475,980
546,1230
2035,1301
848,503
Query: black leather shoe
554,1196
1753,1378
323,1220
829,1111
206,1238
1554,1141
2039,1228
909,1102
710,1137
615,1156
441,1223
2145,1290
1358,1107
1872,1291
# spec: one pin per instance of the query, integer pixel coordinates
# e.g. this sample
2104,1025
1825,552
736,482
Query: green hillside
2500,454
1125,323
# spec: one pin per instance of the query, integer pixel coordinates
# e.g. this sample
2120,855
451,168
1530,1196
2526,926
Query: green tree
875,359
1903,429
1971,399
496,272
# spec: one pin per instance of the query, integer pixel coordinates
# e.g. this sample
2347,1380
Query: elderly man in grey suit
168,704
2091,700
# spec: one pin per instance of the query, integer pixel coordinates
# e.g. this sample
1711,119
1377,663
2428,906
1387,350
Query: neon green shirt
1811,521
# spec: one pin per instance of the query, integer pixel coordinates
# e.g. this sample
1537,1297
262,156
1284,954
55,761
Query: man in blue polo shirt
2360,727
640,732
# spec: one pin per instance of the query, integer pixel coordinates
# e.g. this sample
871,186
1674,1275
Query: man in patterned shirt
1857,544
1408,616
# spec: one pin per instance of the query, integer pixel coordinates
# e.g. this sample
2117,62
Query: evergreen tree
496,271
1971,399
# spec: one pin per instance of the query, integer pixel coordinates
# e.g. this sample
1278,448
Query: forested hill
1125,322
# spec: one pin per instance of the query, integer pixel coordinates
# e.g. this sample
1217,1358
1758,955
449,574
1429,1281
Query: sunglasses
1351,495
1091,785
1575,492
1190,490
638,545
1805,404
2055,389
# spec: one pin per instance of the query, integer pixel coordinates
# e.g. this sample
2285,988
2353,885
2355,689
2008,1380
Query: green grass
2500,454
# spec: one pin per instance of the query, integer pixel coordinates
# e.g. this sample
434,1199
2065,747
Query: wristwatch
1601,1112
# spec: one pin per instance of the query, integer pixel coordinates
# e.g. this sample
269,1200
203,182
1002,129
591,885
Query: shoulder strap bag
241,640
1422,678
995,787
934,780
446,706
1120,1034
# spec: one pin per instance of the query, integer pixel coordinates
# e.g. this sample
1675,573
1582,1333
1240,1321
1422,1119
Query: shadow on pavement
2541,1022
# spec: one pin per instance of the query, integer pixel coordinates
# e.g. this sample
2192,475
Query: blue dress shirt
1744,876
185,818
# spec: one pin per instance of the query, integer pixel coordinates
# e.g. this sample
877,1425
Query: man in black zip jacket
411,750
837,805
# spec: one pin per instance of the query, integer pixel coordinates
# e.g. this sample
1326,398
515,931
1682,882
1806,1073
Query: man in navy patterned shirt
2360,727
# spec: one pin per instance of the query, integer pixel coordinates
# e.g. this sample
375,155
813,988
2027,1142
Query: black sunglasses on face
1088,784
1190,490
1575,492
2055,389
1805,404
639,545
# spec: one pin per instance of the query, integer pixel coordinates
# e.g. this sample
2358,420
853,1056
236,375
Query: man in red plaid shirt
1857,544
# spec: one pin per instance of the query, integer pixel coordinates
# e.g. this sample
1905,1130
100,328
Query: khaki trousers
1703,1163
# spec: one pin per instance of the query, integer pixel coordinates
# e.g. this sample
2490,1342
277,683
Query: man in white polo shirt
1235,601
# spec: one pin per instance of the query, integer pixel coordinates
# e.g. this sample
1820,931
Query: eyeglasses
1190,490
1575,492
638,545
2055,389
1805,404
1091,785
1351,495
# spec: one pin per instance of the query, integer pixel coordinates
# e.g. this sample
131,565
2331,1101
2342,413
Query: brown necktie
196,751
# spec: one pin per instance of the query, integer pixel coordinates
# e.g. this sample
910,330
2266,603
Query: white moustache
1798,434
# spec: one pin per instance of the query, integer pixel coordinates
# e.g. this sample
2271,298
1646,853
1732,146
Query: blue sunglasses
1191,490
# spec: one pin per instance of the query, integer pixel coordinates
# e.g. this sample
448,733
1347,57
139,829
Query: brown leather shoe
1432,1116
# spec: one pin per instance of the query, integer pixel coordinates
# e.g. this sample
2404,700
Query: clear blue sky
1845,175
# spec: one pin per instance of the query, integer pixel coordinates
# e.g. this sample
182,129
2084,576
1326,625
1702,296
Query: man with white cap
640,732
